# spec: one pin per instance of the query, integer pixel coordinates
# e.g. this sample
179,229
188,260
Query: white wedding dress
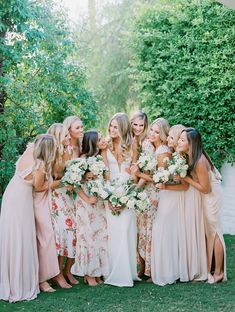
122,235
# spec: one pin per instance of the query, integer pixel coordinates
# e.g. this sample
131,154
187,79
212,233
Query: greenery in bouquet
147,161
74,171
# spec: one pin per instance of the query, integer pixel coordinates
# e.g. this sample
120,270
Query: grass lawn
194,296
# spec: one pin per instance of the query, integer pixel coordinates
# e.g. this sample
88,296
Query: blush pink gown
18,246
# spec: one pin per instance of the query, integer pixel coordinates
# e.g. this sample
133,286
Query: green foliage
183,69
41,79
106,53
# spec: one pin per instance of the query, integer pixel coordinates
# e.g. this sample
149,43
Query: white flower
131,204
124,199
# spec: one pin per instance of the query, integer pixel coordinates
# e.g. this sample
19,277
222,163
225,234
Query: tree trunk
92,15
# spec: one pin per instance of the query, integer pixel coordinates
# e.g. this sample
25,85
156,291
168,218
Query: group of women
48,234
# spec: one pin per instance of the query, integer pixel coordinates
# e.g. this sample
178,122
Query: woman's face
154,134
76,130
113,129
101,143
170,139
137,126
67,139
183,144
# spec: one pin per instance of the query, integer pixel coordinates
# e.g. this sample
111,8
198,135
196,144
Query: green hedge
183,70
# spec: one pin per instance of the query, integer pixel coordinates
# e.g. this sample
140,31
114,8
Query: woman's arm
183,186
203,183
161,162
39,182
134,152
105,160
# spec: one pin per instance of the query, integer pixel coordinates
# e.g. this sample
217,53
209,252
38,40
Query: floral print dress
145,220
92,239
63,219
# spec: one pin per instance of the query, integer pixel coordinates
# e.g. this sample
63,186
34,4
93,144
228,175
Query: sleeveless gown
18,247
48,261
165,239
122,235
212,205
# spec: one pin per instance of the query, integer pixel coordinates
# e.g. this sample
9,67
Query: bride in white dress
122,228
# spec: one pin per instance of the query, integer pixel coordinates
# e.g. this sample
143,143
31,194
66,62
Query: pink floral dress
92,239
145,220
63,220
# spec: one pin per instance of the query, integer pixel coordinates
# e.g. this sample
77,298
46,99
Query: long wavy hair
195,149
89,143
124,129
142,116
163,127
176,131
59,131
44,152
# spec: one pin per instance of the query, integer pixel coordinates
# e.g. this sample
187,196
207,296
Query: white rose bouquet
162,175
96,188
74,171
96,165
138,200
116,192
177,165
147,161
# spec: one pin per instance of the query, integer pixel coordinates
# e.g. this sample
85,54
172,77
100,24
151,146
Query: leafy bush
41,80
183,70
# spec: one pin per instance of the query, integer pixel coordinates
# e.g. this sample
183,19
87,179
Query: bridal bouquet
138,200
122,194
177,165
117,192
74,171
97,188
147,161
96,165
162,175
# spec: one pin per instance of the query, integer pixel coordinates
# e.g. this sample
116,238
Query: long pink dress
165,238
18,246
48,261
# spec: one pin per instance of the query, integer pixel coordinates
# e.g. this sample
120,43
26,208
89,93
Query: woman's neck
74,142
157,144
116,142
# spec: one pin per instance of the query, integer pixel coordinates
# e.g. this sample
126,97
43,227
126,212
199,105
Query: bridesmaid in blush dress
206,179
165,239
122,229
19,267
48,263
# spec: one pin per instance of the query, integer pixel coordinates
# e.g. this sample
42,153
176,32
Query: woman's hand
89,176
92,200
69,188
160,186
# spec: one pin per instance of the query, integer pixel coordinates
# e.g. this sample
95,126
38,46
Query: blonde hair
176,132
68,124
124,129
163,127
59,131
70,120
141,115
44,152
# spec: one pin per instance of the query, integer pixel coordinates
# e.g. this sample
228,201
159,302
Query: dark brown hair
195,148
89,143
